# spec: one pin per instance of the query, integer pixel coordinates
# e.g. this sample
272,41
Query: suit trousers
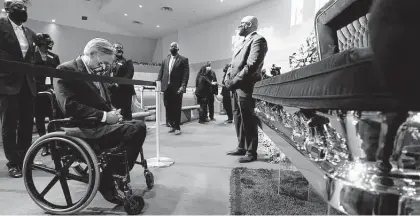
16,116
227,105
246,124
210,104
202,112
173,106
43,108
130,136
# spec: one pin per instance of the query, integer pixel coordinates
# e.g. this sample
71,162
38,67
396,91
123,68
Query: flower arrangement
307,53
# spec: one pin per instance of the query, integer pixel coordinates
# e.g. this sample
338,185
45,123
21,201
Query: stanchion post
158,161
141,98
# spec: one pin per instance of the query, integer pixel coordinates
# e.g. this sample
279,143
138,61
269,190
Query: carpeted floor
256,192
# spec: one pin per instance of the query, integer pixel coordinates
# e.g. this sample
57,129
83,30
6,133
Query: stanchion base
162,163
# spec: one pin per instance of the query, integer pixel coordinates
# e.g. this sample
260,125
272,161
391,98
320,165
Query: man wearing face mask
121,94
211,75
174,74
17,91
81,99
245,71
44,57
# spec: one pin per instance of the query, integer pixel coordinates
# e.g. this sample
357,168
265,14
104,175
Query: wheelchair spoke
78,178
43,168
49,186
66,191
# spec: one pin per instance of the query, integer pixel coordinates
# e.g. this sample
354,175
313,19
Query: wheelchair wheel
150,179
81,169
134,205
65,150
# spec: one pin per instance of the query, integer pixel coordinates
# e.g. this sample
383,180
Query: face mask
101,69
174,51
18,16
208,68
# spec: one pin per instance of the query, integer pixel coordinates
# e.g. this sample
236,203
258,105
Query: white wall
212,40
69,41
162,47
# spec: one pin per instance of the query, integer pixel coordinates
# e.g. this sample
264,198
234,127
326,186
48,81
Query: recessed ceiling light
53,20
221,1
3,10
158,26
140,6
125,15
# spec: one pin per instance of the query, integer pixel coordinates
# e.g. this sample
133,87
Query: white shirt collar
15,26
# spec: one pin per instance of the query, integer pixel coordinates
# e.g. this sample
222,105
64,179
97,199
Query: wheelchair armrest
72,122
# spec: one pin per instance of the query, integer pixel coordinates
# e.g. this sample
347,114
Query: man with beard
121,95
17,91
174,75
82,99
247,62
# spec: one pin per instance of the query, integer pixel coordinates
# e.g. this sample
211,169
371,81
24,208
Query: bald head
174,48
248,24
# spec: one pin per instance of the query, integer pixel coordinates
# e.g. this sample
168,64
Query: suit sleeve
186,73
57,60
66,96
130,70
161,71
255,59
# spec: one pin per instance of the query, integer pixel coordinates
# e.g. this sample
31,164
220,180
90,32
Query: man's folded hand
181,90
113,117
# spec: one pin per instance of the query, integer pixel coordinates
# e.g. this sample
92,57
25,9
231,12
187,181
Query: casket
338,124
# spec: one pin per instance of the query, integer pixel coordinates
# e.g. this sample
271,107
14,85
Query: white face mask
208,68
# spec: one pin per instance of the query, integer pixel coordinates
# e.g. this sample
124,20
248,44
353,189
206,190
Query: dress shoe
212,119
171,130
202,122
15,172
247,159
228,121
177,132
237,152
110,196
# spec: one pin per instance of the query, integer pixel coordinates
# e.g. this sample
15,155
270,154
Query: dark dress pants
173,106
130,136
246,124
227,105
121,98
202,112
43,108
16,115
210,103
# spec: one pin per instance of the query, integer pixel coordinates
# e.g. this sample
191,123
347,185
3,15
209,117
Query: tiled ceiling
118,16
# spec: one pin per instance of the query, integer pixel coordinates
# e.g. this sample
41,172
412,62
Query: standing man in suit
17,91
81,99
121,95
214,91
226,94
174,74
44,57
247,62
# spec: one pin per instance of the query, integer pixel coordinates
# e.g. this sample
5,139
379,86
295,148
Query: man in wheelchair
85,99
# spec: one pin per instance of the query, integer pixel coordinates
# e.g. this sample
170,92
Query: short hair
100,46
175,43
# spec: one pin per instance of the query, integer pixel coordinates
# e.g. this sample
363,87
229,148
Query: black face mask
19,16
174,51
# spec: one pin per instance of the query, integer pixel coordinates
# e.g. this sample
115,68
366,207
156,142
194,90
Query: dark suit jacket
80,99
10,82
124,68
247,62
203,85
52,61
179,75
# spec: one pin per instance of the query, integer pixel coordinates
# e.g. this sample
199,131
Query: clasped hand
113,117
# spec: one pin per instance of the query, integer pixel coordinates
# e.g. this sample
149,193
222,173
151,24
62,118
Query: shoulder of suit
52,54
69,65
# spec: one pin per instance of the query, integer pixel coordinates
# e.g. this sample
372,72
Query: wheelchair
75,159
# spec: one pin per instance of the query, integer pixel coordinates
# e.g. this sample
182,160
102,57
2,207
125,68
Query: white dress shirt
98,85
171,65
21,36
